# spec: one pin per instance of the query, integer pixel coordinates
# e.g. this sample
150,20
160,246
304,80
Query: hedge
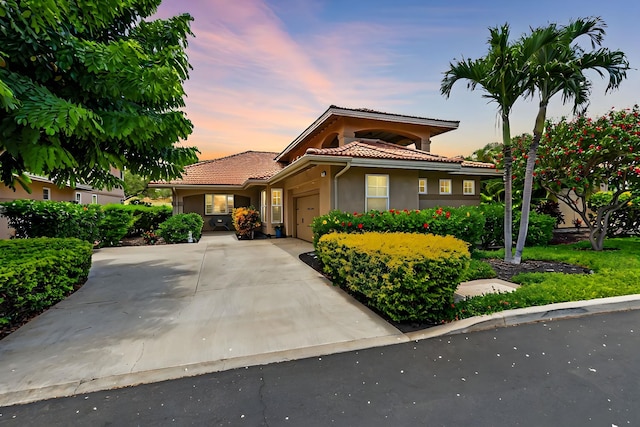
37,273
38,218
466,223
540,231
406,276
106,224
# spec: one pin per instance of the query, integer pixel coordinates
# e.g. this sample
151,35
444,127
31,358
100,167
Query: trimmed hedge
37,273
406,276
38,218
176,229
465,223
93,223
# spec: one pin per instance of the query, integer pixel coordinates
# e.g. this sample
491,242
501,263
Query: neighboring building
348,159
44,189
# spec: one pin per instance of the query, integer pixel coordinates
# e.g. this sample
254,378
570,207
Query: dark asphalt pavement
569,372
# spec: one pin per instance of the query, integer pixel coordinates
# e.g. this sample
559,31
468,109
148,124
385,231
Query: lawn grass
616,271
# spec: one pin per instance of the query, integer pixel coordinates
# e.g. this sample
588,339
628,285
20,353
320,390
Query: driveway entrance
153,313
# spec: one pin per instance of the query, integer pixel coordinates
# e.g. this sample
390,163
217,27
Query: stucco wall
433,197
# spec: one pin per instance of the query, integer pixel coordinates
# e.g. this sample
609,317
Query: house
347,159
43,188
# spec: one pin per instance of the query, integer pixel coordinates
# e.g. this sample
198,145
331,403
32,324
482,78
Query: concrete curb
531,315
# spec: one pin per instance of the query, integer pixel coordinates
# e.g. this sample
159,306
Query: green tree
577,157
502,74
487,154
559,67
90,86
134,185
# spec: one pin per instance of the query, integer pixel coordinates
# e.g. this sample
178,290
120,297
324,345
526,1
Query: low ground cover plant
37,273
406,276
616,271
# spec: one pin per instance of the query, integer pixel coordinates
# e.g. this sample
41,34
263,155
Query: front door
307,208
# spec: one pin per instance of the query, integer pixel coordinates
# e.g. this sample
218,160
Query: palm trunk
508,188
528,182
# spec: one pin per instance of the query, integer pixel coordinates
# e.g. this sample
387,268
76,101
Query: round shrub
176,229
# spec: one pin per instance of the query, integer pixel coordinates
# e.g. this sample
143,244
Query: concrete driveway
153,313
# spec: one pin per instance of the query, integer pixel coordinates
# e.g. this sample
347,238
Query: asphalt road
569,372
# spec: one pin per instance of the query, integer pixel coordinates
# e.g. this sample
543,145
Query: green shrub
408,277
176,229
146,218
493,233
478,270
37,273
466,223
540,230
38,218
115,224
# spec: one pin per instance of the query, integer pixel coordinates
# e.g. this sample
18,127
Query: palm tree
502,75
559,67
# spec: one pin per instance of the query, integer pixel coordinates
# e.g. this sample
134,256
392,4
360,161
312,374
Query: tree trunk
528,182
508,187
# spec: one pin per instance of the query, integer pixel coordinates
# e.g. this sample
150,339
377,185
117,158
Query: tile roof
386,150
231,170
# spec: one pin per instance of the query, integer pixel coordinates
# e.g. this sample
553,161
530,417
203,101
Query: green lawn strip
616,272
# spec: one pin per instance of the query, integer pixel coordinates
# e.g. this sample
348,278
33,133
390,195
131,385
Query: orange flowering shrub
246,220
407,276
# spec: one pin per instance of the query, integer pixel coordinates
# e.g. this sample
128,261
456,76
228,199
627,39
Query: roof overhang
445,125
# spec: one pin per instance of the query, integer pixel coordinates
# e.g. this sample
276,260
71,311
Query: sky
264,70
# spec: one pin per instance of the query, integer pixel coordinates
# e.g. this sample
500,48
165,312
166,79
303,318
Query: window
46,193
468,187
276,205
445,186
377,192
218,204
79,198
94,199
263,205
422,186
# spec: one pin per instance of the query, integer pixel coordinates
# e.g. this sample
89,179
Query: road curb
530,315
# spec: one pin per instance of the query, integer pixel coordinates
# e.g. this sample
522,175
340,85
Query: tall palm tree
502,75
559,67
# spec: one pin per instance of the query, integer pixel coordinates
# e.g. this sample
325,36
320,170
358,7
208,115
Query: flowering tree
577,157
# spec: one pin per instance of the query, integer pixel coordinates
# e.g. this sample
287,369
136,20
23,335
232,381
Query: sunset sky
265,70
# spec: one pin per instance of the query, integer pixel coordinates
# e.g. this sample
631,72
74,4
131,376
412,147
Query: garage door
306,209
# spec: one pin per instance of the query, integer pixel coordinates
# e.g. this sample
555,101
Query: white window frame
78,198
94,199
209,208
447,183
263,205
276,202
366,189
46,193
422,186
469,191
